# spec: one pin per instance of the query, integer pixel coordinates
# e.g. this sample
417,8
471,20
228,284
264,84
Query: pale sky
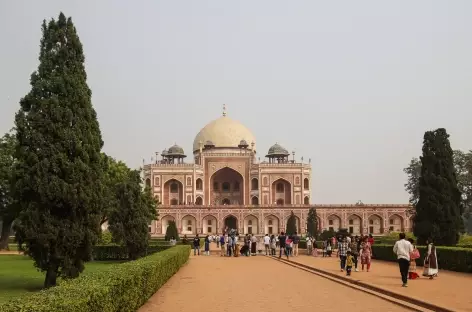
353,85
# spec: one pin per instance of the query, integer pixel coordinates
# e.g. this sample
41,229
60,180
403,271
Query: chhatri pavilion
227,186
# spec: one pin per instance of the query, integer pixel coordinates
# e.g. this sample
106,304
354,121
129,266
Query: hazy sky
352,85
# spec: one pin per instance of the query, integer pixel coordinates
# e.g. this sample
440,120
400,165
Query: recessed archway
282,189
375,224
306,184
209,225
228,181
189,225
251,225
354,224
148,182
334,222
226,201
395,223
165,223
198,201
255,201
199,184
306,200
271,225
254,184
173,192
231,222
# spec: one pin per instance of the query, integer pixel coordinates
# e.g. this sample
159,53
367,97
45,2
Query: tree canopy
172,231
463,168
291,224
312,223
438,211
129,221
58,178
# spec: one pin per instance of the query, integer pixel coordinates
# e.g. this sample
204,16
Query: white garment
402,249
266,240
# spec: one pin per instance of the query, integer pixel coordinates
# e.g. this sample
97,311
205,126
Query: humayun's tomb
227,186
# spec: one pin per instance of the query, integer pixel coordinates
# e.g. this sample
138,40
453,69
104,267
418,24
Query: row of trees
56,186
440,188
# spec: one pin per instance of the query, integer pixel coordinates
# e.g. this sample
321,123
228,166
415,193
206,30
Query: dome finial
224,109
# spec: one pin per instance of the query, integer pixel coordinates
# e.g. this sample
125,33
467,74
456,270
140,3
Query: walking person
267,244
413,256
282,239
217,238
295,242
349,263
366,254
353,248
309,246
273,245
288,246
207,245
196,245
430,266
402,249
222,245
253,245
229,246
315,248
342,252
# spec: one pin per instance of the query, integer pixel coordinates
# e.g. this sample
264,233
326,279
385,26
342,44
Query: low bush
449,258
116,252
120,287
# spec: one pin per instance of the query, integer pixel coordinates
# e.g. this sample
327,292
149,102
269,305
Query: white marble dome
224,132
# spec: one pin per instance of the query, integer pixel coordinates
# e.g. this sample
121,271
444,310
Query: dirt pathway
213,283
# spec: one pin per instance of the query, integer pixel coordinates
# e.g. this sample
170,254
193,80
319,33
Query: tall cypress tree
438,211
58,181
291,224
312,223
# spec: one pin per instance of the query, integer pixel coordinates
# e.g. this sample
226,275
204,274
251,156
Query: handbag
415,254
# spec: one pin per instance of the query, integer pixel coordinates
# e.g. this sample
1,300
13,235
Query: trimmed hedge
449,258
120,287
116,252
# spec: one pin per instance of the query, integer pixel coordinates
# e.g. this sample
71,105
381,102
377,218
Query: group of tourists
407,254
348,249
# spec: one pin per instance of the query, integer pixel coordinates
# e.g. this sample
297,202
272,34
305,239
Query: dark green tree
172,231
291,224
115,173
438,211
58,178
8,209
129,221
312,223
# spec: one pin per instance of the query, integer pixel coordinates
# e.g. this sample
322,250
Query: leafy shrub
116,252
105,238
449,258
172,231
120,287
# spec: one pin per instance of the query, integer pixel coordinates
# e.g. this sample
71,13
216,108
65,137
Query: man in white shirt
402,249
267,244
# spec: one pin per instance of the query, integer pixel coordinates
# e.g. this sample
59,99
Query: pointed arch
199,200
189,224
271,224
375,224
209,224
281,191
251,224
396,223
173,192
255,200
224,178
354,224
334,222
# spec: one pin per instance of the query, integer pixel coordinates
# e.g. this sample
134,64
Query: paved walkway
450,290
214,283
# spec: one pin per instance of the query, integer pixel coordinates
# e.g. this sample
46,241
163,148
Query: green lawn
18,275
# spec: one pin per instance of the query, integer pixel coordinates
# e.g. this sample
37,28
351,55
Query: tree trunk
6,230
51,276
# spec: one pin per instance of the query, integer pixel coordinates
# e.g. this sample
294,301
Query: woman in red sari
415,254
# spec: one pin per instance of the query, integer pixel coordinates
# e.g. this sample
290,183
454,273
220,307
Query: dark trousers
404,266
348,270
355,260
282,248
343,262
230,250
